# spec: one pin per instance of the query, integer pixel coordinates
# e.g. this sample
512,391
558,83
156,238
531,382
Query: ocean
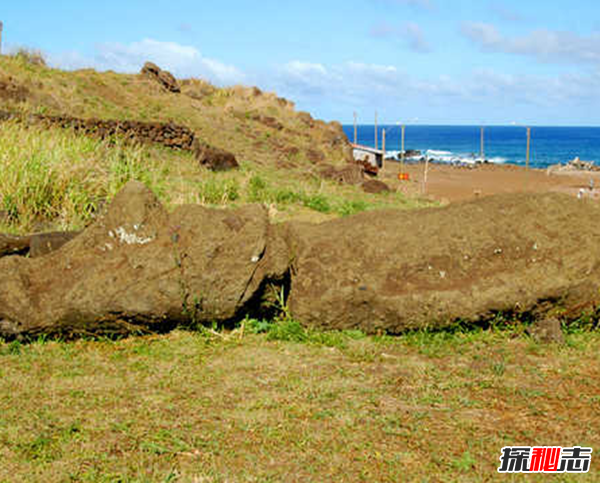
503,144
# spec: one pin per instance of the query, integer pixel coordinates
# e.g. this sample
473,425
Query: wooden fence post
482,149
383,149
402,155
528,147
376,141
426,172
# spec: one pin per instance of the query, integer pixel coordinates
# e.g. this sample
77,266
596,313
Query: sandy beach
448,183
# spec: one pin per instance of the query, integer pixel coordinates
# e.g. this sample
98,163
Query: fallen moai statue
526,254
138,268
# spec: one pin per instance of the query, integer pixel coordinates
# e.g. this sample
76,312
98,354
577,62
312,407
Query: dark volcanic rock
138,268
268,121
34,245
14,245
395,270
167,134
375,186
44,243
163,77
351,173
548,331
213,158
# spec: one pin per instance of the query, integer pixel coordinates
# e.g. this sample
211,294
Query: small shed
367,153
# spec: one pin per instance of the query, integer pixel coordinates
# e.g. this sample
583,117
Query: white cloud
416,4
416,38
181,60
544,45
305,78
305,69
410,33
339,88
500,10
478,94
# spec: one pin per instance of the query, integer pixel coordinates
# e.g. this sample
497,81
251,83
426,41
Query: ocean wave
440,156
434,153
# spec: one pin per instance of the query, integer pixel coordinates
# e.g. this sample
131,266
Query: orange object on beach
403,176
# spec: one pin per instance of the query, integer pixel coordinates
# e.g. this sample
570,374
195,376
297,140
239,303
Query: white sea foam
434,153
449,157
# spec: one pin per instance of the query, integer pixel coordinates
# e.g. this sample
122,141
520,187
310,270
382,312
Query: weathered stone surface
163,77
393,270
351,173
14,245
167,134
34,245
548,331
138,268
375,186
213,158
44,243
268,121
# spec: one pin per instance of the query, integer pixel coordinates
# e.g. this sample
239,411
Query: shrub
352,207
30,56
287,196
217,191
258,191
317,202
54,175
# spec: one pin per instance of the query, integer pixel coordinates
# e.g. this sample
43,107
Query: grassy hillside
56,179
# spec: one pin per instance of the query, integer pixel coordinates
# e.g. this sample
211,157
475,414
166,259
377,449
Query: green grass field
234,407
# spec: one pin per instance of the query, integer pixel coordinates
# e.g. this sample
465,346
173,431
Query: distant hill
256,126
282,153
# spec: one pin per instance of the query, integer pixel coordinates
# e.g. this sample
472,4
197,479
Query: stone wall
168,134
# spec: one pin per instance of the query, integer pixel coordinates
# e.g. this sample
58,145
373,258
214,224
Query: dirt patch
449,183
315,156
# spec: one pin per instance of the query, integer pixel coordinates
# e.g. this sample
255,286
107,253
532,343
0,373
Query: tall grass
56,176
29,56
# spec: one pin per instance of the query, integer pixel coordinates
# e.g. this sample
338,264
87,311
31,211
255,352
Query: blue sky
414,61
